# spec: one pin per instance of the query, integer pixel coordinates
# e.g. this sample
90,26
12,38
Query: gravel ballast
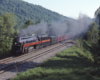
31,64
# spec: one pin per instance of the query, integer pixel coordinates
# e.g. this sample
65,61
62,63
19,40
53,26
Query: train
26,44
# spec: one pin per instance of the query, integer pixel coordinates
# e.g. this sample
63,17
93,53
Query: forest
18,14
82,61
25,11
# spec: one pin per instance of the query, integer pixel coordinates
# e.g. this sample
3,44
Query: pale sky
69,8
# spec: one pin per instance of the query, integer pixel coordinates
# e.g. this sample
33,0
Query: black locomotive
28,43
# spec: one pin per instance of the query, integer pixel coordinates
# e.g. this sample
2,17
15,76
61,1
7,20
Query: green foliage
25,11
27,23
92,41
9,23
75,63
70,64
93,34
7,32
87,49
91,48
38,22
16,33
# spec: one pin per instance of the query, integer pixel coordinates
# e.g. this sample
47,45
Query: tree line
91,42
25,11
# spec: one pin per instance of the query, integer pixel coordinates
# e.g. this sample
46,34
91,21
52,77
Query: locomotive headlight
15,43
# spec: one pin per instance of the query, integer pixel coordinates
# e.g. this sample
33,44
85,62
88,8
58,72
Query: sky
69,8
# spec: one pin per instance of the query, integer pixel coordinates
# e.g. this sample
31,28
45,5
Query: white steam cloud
70,26
80,26
57,28
37,29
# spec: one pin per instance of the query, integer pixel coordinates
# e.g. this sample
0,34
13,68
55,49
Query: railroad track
3,61
16,64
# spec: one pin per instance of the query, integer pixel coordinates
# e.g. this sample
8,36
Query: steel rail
28,59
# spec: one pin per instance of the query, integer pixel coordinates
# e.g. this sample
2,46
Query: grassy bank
70,64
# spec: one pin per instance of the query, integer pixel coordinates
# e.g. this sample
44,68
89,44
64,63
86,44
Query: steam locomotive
28,43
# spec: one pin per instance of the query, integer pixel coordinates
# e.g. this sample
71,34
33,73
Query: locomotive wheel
41,46
37,47
26,50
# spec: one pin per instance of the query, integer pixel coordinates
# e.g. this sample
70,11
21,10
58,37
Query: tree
7,23
93,40
93,34
27,23
38,22
25,11
16,33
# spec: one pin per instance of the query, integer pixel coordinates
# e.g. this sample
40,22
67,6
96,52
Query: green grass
70,64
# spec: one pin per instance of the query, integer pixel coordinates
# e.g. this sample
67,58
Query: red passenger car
60,38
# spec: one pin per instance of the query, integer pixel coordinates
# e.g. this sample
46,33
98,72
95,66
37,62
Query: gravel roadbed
28,56
31,64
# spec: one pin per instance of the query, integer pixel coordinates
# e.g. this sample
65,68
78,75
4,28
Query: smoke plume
79,26
70,26
57,28
37,29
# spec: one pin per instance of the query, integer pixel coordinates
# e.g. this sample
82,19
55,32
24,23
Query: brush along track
29,59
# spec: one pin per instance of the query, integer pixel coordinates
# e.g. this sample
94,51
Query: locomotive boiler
30,43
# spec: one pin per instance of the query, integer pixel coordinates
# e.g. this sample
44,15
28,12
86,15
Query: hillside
25,11
97,16
70,64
